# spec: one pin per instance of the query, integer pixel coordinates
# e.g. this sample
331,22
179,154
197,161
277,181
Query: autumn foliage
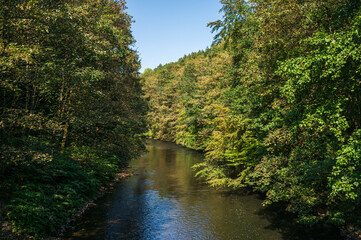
275,104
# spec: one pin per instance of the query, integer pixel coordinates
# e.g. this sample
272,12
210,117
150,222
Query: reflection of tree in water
164,201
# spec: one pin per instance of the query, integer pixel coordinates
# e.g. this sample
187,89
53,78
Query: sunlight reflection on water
164,201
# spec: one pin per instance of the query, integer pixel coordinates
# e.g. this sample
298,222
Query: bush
48,189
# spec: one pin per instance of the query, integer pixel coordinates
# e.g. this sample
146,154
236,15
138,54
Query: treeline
71,112
276,104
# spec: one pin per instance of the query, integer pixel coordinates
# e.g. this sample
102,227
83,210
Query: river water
163,200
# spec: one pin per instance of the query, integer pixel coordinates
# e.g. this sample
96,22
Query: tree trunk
65,136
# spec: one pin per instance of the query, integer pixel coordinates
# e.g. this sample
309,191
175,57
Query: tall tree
69,96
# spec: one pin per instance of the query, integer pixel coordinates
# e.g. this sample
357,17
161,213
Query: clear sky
166,30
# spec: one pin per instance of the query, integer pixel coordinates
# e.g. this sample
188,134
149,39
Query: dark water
164,201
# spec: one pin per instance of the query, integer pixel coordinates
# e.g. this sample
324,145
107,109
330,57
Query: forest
71,108
275,104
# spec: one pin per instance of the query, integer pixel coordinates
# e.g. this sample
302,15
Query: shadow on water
164,201
286,224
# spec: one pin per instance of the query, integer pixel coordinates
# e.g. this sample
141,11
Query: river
163,200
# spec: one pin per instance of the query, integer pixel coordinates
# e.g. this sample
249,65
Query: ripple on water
164,201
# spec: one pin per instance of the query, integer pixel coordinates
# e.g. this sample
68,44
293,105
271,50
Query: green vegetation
71,111
275,103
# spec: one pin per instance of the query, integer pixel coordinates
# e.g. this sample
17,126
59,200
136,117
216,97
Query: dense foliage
70,106
276,104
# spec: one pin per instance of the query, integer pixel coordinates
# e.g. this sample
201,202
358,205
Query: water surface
163,200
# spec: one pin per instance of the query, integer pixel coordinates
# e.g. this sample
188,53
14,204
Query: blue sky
166,30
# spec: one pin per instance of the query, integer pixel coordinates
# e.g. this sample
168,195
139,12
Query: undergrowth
44,188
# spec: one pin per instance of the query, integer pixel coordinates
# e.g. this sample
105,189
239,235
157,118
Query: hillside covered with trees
275,104
71,112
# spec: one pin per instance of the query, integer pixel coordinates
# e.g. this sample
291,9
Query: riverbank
347,232
9,232
43,196
123,174
200,150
